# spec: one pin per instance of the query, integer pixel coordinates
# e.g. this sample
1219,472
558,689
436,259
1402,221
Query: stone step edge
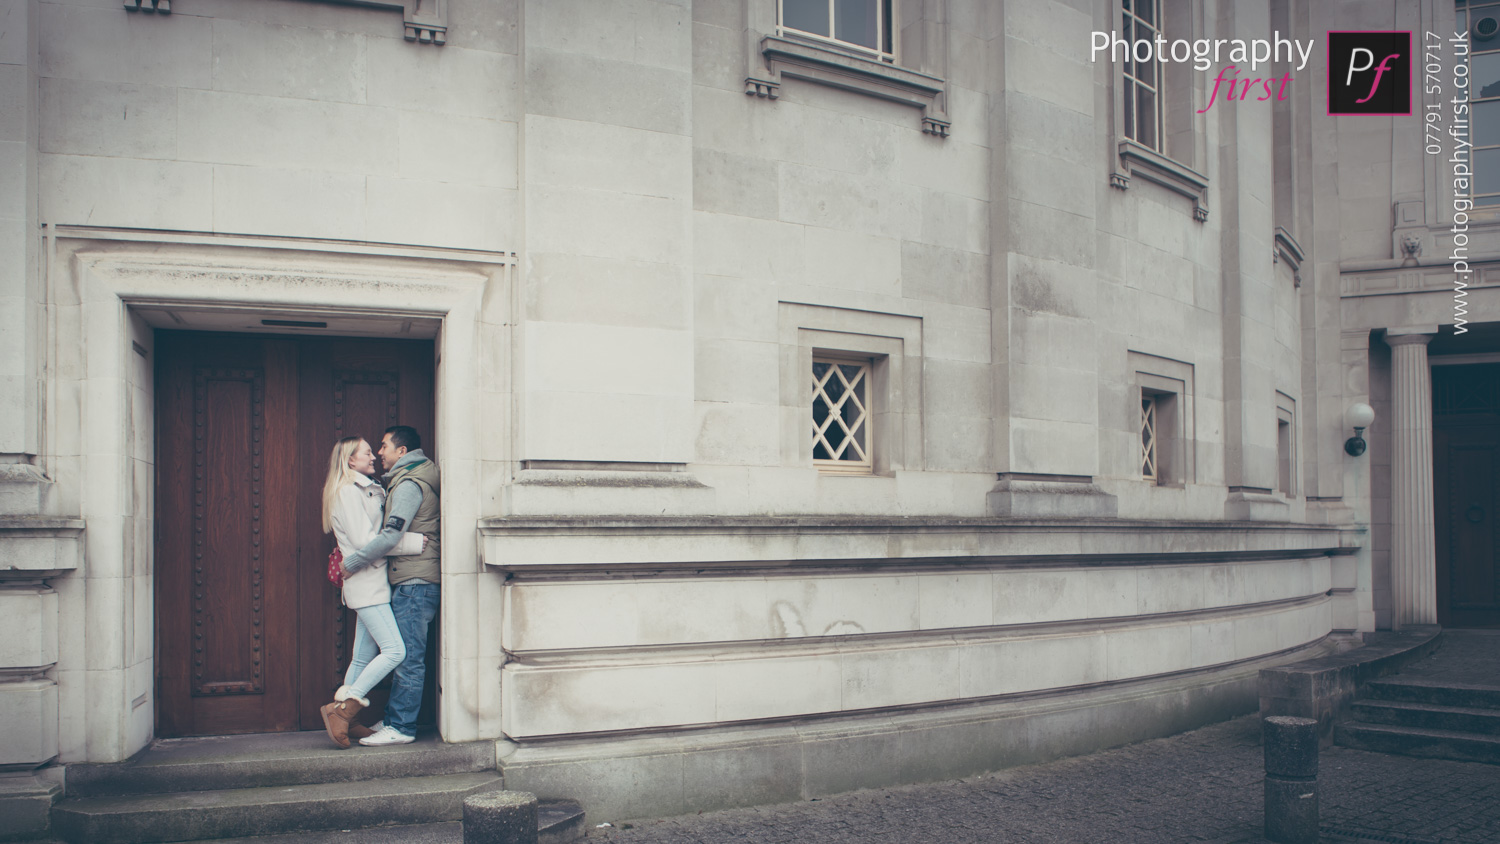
1431,708
1423,732
1426,683
554,817
559,821
1400,688
243,812
145,776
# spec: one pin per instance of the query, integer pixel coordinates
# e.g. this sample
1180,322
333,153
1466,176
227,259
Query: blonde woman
352,504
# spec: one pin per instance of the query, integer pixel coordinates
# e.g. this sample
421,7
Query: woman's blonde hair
339,476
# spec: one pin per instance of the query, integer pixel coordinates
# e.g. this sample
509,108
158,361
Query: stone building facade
817,408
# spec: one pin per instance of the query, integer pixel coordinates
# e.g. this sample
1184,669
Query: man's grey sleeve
405,499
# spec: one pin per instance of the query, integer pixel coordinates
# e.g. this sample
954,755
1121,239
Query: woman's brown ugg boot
339,715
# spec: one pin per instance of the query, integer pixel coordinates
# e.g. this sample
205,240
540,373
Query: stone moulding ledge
426,21
896,719
837,69
1287,249
592,545
1137,160
898,640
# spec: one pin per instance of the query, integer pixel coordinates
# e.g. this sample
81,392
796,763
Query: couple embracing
388,538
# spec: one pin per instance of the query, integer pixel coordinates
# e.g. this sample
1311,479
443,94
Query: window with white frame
1150,454
1482,22
1142,80
842,416
864,26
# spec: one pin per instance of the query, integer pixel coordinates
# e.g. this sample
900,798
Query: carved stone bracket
1137,160
426,20
149,6
783,57
762,88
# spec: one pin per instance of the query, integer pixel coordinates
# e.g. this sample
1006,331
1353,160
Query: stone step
271,759
558,822
1439,692
447,832
1412,741
1428,716
243,812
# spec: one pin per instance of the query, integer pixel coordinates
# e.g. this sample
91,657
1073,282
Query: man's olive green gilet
427,522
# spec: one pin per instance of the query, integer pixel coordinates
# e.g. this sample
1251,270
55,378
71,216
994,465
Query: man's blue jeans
415,606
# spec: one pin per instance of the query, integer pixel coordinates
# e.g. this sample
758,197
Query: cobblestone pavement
1201,786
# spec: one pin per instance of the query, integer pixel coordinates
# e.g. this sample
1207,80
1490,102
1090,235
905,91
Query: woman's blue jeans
378,648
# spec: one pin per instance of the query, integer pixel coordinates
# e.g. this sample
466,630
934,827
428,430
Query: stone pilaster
1413,553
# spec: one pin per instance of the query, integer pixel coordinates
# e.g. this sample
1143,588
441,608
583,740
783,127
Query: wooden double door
1466,492
251,636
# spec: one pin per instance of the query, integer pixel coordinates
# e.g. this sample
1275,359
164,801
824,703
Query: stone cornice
426,20
705,544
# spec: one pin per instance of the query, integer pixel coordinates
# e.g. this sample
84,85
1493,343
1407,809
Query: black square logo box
1369,72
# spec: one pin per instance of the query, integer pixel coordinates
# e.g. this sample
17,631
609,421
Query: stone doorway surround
106,290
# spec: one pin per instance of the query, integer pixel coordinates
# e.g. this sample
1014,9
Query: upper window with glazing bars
863,26
1143,120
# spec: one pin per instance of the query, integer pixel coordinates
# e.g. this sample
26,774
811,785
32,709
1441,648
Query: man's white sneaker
387,735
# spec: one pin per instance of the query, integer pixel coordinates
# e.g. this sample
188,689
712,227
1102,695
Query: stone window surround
893,342
426,21
112,273
770,57
1286,414
1176,430
1179,166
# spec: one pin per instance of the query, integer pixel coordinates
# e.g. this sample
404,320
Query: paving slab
1200,786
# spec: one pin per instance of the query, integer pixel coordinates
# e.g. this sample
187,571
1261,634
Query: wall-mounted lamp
1358,416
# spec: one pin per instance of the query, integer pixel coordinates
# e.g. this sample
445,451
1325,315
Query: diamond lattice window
1148,438
841,415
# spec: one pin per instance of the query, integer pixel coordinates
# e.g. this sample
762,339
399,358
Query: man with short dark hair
411,505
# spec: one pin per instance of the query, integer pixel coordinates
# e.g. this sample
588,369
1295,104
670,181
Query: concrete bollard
1291,751
500,817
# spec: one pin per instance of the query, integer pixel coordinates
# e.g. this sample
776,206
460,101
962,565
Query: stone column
1413,552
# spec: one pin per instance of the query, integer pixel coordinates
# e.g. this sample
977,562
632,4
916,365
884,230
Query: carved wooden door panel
225,534
1466,494
251,637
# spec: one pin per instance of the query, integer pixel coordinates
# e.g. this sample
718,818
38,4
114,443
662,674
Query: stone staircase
287,787
1447,707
